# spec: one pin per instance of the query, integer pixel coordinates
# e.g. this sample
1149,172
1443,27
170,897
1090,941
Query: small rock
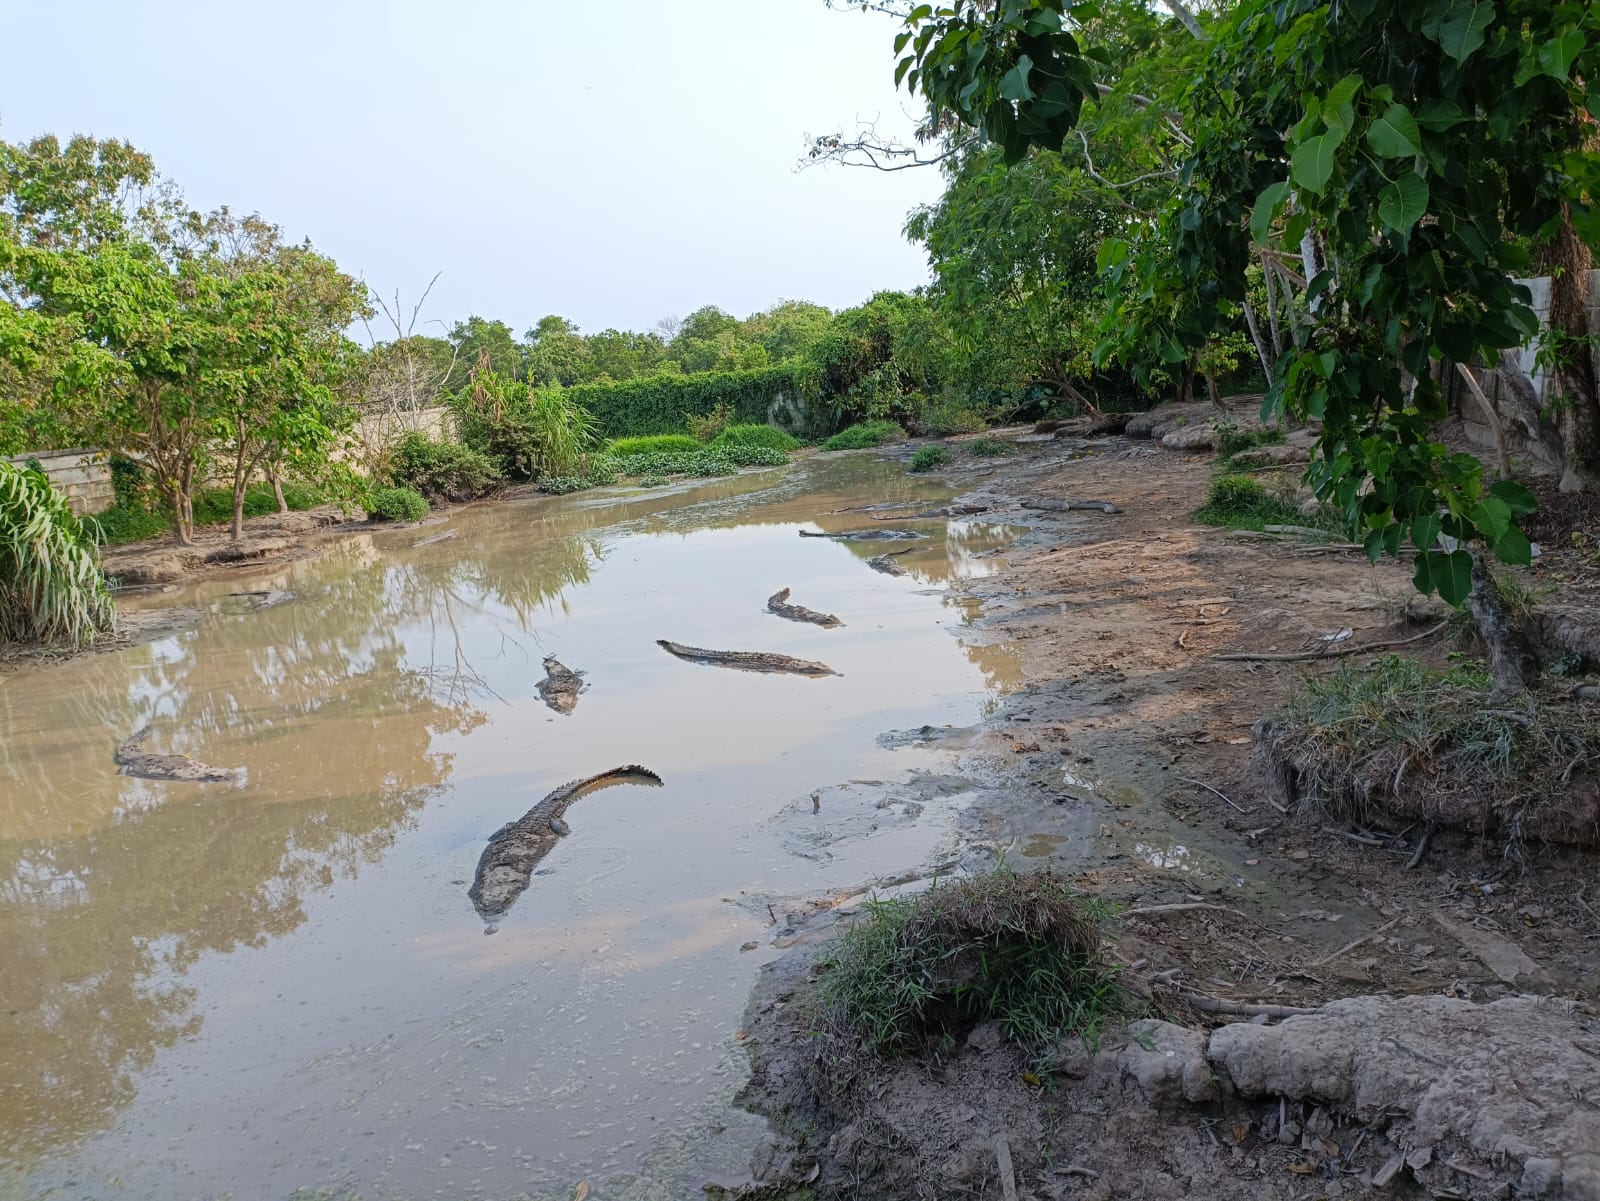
1289,1133
1168,1063
1389,1171
1419,1159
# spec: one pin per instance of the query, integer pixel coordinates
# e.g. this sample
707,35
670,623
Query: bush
441,470
865,436
396,504
989,448
654,444
1242,503
768,436
707,461
1022,950
662,404
560,485
51,587
929,457
1231,439
713,423
950,417
528,433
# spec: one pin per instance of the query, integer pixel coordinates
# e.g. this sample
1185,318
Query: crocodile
866,535
132,761
747,660
560,686
506,865
886,562
777,603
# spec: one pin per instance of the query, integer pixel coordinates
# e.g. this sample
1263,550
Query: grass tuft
865,436
51,586
655,444
1240,502
929,457
1396,742
918,973
989,448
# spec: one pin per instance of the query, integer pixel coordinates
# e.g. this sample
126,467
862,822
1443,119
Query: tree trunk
277,488
1267,358
1498,629
1570,262
1211,391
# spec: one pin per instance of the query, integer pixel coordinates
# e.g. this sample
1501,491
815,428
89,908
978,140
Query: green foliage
661,404
396,504
707,427
879,360
652,444
865,436
1231,439
1239,502
445,471
131,519
1021,950
929,457
561,485
769,436
724,459
989,448
51,587
528,433
953,417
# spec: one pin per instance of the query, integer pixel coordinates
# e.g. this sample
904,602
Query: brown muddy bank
1123,760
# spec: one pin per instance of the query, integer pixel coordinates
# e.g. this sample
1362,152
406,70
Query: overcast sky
615,161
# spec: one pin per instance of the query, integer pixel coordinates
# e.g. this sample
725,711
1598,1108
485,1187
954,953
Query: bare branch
1101,179
1181,11
866,148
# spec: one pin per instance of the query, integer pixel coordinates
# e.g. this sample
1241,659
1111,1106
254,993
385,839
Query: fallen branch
1208,788
1361,838
1242,1008
1303,656
1422,848
1350,946
1008,1175
1182,907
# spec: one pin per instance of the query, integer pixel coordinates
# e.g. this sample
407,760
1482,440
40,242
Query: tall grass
51,586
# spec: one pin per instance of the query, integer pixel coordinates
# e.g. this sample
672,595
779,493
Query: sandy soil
1125,763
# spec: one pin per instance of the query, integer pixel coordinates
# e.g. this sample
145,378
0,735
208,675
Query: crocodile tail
630,773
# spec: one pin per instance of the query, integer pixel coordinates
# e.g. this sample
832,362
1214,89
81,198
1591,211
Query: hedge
658,404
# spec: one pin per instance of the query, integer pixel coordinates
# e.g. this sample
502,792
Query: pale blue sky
612,161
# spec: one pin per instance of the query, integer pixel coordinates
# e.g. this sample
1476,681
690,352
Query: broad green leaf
1014,86
1450,575
1336,106
1312,162
1438,115
1402,203
1514,548
1266,208
1556,55
1492,516
1459,27
1395,133
1425,531
1520,501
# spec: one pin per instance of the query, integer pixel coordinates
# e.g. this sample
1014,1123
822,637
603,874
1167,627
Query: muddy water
247,991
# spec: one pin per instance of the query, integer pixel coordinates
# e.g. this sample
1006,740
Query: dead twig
1301,656
1350,946
1361,838
1184,907
1008,1175
1208,788
1422,847
1242,1008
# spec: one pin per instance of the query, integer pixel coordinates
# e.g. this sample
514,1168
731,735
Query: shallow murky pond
245,991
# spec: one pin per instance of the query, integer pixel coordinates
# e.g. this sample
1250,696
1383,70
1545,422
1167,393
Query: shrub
1242,503
768,436
652,444
560,485
865,436
51,586
1022,950
929,457
652,481
951,417
989,448
441,470
396,504
1231,439
705,428
662,404
528,433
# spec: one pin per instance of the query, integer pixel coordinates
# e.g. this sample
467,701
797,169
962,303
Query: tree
788,329
1406,155
478,336
556,353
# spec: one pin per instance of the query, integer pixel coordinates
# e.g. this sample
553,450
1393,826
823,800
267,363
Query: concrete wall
82,476
1519,391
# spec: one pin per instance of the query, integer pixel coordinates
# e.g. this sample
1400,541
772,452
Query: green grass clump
769,436
705,461
989,448
1231,439
1394,741
1238,502
929,457
396,504
51,586
654,444
865,436
1021,950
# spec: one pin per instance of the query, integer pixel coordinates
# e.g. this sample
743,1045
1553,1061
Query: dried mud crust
1124,761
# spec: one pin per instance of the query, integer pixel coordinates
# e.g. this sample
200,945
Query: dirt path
1124,763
